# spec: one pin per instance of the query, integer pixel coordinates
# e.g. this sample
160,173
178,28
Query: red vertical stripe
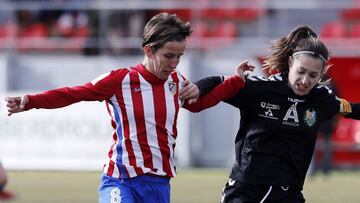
139,115
160,119
110,168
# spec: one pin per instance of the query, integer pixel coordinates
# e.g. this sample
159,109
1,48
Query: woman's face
165,60
304,73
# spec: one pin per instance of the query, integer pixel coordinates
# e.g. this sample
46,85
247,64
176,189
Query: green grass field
190,186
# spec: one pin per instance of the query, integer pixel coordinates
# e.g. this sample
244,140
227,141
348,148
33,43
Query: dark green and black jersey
278,129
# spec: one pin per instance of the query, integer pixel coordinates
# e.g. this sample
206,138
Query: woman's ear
148,50
324,78
290,61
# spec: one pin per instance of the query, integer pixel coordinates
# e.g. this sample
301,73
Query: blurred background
55,43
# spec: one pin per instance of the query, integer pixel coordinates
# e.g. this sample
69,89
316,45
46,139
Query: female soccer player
143,102
280,117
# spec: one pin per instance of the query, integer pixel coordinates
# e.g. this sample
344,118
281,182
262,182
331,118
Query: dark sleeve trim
205,85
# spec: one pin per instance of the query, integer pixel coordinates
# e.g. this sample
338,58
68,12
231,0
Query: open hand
242,67
16,104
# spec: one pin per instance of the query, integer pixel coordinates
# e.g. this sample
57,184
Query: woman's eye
313,75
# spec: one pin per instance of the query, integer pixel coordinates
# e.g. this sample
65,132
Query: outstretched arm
223,91
99,89
16,104
51,99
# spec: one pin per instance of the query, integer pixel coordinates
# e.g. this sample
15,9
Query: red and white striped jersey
144,113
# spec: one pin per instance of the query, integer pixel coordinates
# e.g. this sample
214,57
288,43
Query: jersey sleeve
101,88
205,85
349,110
221,92
342,107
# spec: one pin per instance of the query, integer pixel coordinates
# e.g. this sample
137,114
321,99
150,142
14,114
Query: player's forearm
221,92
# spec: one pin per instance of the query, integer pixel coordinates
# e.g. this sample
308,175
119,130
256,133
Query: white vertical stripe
150,123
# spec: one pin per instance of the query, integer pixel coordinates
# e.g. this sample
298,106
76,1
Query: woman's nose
174,64
305,80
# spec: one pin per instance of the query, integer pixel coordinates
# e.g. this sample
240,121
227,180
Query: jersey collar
147,75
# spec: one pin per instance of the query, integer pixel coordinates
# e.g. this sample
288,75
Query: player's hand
16,104
242,67
189,92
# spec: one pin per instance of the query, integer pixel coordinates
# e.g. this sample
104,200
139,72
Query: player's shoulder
259,79
264,81
321,93
111,75
323,90
120,71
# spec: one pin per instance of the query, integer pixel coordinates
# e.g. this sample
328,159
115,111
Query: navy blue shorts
141,189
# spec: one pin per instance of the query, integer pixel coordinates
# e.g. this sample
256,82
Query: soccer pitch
190,186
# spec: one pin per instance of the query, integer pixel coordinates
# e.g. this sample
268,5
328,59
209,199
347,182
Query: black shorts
238,192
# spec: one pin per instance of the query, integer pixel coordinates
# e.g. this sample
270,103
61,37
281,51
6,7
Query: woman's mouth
301,88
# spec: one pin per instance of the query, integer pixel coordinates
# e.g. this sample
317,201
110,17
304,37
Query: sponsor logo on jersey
310,117
268,110
137,89
231,182
291,117
294,100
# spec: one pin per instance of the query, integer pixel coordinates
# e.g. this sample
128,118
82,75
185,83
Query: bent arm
221,92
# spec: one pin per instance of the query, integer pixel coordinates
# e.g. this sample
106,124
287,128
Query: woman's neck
146,63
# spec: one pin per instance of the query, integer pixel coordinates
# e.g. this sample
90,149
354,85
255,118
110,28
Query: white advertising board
76,137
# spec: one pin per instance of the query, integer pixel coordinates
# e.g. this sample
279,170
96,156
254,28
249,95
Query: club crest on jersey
172,87
310,117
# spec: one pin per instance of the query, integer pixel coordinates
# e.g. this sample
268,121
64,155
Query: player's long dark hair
165,27
303,38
